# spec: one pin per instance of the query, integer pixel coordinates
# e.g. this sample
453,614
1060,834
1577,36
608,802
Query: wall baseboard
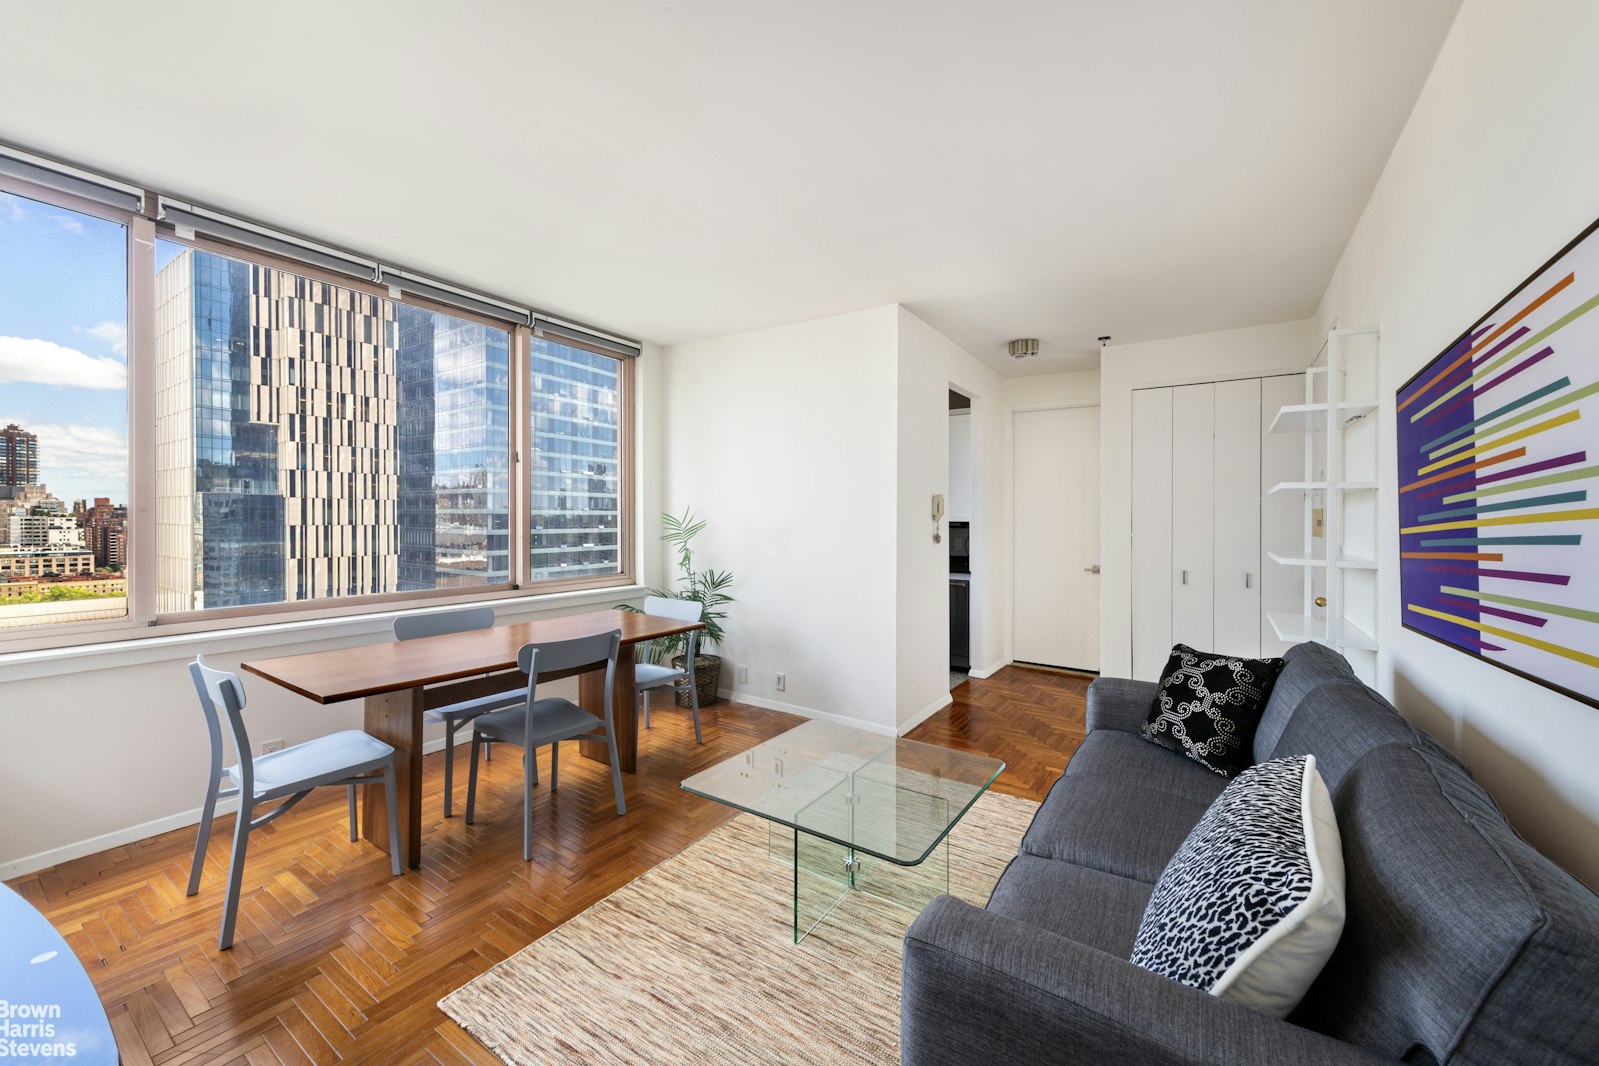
988,671
803,712
932,709
43,860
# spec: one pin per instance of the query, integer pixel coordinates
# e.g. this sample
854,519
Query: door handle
1249,580
1091,569
1185,577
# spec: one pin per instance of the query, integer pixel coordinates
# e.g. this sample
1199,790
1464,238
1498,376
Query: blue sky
63,343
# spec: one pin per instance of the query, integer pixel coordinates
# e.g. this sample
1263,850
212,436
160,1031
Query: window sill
45,662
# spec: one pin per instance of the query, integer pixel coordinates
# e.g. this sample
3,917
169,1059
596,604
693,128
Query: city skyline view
63,344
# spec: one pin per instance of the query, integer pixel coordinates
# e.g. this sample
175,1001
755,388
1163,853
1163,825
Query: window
315,441
63,415
576,400
307,429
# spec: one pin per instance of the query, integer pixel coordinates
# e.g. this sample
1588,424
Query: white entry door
1055,537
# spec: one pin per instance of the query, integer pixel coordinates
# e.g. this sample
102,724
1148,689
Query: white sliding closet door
1236,496
1193,496
1152,531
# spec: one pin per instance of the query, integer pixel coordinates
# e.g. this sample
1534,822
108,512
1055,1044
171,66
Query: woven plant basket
707,679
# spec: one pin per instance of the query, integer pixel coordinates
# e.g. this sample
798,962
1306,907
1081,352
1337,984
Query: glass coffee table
852,811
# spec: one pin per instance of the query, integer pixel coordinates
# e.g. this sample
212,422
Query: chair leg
488,749
471,778
202,839
354,836
527,807
694,702
616,770
391,797
555,765
644,698
230,902
450,727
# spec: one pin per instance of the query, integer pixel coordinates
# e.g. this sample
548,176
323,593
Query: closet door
1237,518
1152,531
1193,516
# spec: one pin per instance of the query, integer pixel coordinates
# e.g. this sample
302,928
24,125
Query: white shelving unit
1323,419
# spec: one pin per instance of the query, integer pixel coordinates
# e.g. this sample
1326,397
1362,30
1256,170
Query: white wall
1123,368
1497,169
784,439
107,745
1042,390
928,365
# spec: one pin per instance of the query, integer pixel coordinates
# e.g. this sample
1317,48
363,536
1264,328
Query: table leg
396,719
591,696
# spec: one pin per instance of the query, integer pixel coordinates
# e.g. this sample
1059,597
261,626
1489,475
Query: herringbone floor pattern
336,961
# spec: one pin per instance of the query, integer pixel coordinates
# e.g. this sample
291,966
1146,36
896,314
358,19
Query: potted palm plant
708,587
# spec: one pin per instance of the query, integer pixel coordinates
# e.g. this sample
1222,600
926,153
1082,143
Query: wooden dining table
399,680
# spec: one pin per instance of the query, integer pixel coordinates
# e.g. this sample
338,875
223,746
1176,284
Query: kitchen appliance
960,555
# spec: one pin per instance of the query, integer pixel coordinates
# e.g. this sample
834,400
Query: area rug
694,962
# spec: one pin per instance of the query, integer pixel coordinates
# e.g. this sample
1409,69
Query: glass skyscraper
576,462
315,441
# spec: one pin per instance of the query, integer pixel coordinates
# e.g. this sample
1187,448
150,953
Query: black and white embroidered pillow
1252,904
1209,706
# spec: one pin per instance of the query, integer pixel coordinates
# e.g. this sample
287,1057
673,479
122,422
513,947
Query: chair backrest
667,607
438,623
556,655
221,695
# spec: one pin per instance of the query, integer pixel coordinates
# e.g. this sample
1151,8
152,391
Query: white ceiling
673,170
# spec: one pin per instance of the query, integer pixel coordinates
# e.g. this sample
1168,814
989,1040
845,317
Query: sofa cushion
1089,906
1125,814
1338,722
1252,904
1306,667
1462,943
1209,705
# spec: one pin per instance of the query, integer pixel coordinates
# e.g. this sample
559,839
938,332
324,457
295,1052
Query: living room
722,263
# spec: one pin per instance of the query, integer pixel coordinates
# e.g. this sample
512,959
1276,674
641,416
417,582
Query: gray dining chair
549,721
648,676
348,758
456,715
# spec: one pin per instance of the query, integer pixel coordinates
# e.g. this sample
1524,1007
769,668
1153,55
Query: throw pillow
1252,904
1209,706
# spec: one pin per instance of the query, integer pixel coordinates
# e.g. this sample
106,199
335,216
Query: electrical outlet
269,746
743,675
782,682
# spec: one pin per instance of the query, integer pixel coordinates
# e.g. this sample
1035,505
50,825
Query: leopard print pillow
1252,904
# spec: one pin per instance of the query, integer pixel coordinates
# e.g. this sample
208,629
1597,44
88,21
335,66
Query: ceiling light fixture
1024,348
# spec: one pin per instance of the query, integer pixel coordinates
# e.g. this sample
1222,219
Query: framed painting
1498,449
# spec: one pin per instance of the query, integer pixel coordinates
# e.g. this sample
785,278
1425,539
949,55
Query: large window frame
143,620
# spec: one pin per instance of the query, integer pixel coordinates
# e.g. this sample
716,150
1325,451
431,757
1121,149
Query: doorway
1055,537
959,527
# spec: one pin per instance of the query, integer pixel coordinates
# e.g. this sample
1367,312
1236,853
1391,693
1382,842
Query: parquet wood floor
337,961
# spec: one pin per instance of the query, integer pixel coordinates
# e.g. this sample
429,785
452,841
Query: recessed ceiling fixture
1024,348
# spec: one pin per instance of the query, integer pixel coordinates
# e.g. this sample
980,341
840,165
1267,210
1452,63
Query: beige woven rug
694,962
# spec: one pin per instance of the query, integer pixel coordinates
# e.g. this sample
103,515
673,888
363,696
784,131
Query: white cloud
42,362
113,333
14,209
68,223
79,459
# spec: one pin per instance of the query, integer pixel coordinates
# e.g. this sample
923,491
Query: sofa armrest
1120,703
981,988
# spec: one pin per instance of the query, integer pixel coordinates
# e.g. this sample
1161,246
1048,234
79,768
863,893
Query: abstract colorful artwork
1498,465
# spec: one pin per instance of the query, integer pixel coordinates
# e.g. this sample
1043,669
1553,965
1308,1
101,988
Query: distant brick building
105,533
19,459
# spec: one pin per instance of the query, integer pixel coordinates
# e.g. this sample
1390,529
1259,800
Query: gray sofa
1462,944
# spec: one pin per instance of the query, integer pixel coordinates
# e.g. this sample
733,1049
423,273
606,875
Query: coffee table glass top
891,798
